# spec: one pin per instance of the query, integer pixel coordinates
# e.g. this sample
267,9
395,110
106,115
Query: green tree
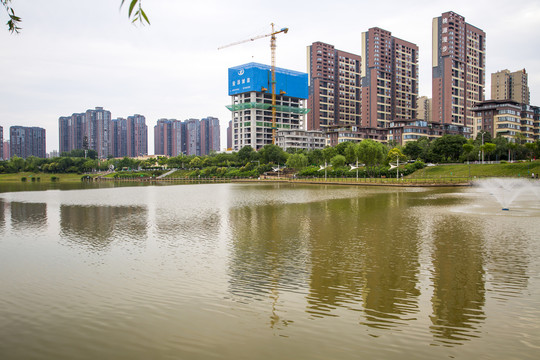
371,153
315,157
468,148
337,161
297,161
448,148
328,153
246,154
272,154
395,154
417,149
489,148
196,163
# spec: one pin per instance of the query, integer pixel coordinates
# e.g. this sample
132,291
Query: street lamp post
483,132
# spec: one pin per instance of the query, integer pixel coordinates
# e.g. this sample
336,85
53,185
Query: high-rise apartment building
7,151
120,136
72,130
95,130
169,137
389,78
98,122
190,137
423,105
506,85
210,135
27,141
1,143
251,103
334,87
459,51
137,136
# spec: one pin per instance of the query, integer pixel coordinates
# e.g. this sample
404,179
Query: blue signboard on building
258,77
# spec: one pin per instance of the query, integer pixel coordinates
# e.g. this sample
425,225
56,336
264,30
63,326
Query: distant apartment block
91,130
459,51
190,137
300,139
1,143
27,141
334,87
389,78
6,150
508,119
168,137
229,136
95,130
506,85
129,136
210,135
424,105
251,103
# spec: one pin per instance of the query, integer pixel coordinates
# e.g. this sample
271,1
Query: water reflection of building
392,266
98,226
2,214
364,251
458,281
268,255
28,215
343,250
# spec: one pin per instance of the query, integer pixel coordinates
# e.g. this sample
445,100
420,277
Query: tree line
373,158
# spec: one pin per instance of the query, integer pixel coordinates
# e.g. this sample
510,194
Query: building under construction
251,103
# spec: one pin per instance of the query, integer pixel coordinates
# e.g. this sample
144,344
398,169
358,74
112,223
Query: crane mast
273,70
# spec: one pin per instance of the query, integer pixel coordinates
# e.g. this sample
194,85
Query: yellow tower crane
273,71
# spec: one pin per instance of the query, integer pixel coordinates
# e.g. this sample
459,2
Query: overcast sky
74,55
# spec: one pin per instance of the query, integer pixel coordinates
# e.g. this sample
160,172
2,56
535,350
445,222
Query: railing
442,181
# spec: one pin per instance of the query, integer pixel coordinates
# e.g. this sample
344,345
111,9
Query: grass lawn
522,169
43,177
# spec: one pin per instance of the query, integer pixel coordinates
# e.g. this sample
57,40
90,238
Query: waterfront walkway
405,182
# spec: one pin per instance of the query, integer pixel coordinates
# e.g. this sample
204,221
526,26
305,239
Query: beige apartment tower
506,85
424,105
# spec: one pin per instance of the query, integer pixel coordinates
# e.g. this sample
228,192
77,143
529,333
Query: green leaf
132,5
145,17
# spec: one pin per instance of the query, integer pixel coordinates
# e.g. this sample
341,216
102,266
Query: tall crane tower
273,71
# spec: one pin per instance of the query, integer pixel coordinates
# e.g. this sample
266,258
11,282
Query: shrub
23,179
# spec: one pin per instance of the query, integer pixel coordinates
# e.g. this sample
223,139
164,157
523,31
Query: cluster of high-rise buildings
375,95
23,142
190,137
96,130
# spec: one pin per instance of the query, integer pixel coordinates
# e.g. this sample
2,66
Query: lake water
268,271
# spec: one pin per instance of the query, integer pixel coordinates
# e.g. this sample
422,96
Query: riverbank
440,175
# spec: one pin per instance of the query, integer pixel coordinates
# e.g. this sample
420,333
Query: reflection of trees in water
97,227
458,281
28,215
